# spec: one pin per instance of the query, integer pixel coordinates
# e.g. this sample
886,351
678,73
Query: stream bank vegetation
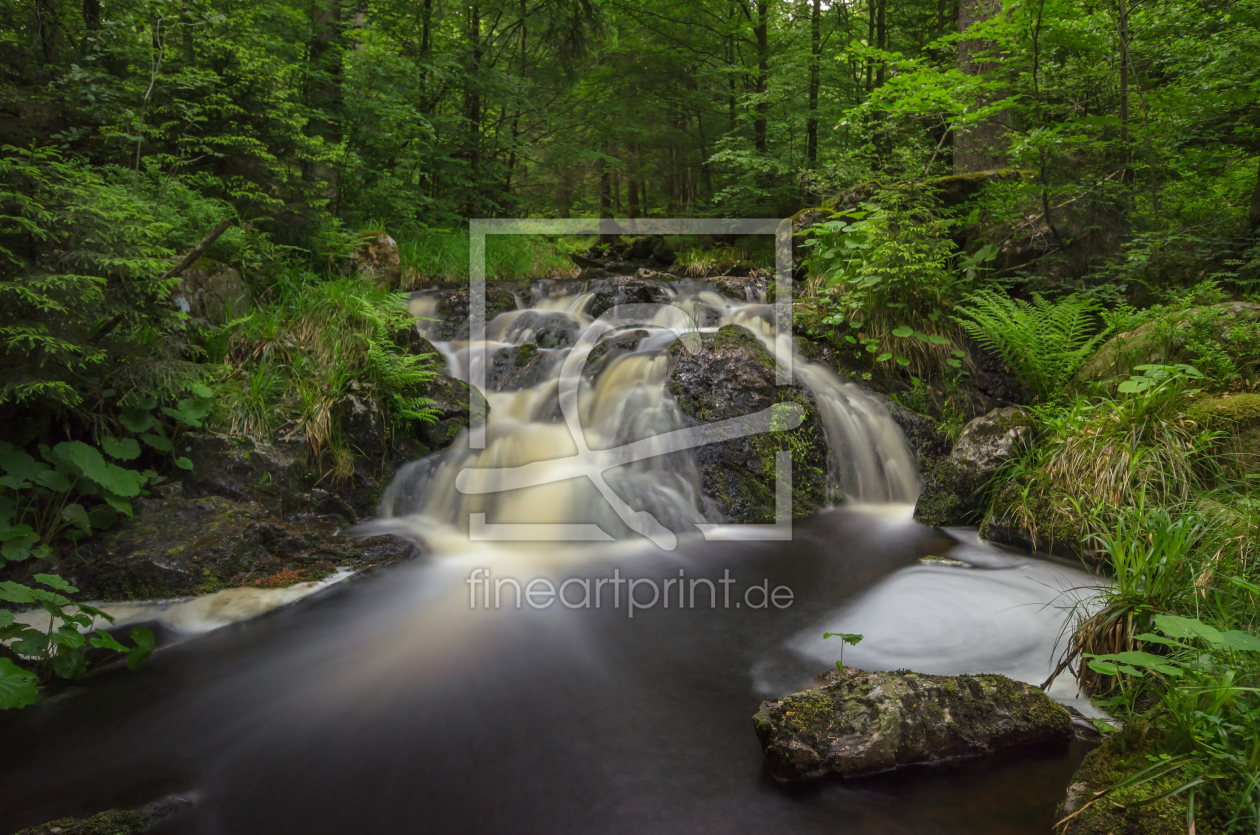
1052,204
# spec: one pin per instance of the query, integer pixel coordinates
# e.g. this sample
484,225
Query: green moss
105,823
1117,758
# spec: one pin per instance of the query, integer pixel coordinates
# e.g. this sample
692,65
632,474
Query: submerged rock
731,376
867,722
518,367
952,486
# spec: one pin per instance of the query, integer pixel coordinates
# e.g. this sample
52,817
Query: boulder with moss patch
212,292
734,375
953,486
376,258
1239,415
867,722
1229,330
1133,809
114,821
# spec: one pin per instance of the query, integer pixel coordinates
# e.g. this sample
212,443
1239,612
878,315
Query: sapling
845,638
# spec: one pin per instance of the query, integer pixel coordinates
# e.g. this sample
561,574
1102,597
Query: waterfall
615,403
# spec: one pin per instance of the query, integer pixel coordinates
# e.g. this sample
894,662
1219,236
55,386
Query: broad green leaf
76,515
20,465
124,449
183,463
6,618
137,420
118,503
87,458
201,391
16,592
144,644
103,518
67,636
18,687
1179,627
1244,641
54,581
851,638
1160,639
18,548
104,640
902,361
884,357
903,331
953,363
125,482
157,442
55,481
69,664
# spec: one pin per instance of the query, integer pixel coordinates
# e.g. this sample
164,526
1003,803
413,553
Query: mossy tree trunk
980,147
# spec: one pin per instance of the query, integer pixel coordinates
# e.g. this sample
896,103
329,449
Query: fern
1044,342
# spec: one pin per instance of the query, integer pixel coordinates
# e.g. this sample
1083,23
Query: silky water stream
413,704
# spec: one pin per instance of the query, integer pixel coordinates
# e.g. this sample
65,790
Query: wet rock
585,261
952,486
611,346
362,425
747,288
734,375
1133,809
212,292
452,310
273,475
176,547
925,439
456,406
868,722
624,290
375,258
520,367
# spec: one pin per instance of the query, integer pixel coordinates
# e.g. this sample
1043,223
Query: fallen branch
199,250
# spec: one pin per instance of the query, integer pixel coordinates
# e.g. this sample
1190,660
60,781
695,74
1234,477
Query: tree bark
881,39
980,147
815,67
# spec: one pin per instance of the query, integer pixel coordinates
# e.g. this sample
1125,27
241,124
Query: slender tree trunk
762,33
1254,214
881,39
605,188
1123,26
46,28
979,147
472,104
815,71
870,41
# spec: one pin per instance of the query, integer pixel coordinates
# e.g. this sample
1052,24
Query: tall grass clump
441,256
287,367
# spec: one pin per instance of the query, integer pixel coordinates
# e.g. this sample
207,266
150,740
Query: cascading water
620,401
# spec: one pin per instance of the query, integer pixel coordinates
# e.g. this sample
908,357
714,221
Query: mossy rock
731,376
1163,340
112,822
953,487
1239,415
1119,811
867,722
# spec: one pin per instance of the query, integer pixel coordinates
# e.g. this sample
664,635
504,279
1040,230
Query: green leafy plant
62,649
849,638
1043,341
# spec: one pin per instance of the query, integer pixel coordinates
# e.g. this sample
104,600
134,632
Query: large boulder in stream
953,486
867,722
734,375
624,290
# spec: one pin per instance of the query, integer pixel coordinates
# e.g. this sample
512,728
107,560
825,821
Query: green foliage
60,650
442,256
1043,341
887,280
852,639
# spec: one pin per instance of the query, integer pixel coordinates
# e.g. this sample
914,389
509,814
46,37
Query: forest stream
411,702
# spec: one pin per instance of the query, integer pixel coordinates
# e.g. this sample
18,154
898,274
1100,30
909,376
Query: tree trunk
472,104
870,41
762,33
815,61
980,147
881,39
1254,214
605,189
